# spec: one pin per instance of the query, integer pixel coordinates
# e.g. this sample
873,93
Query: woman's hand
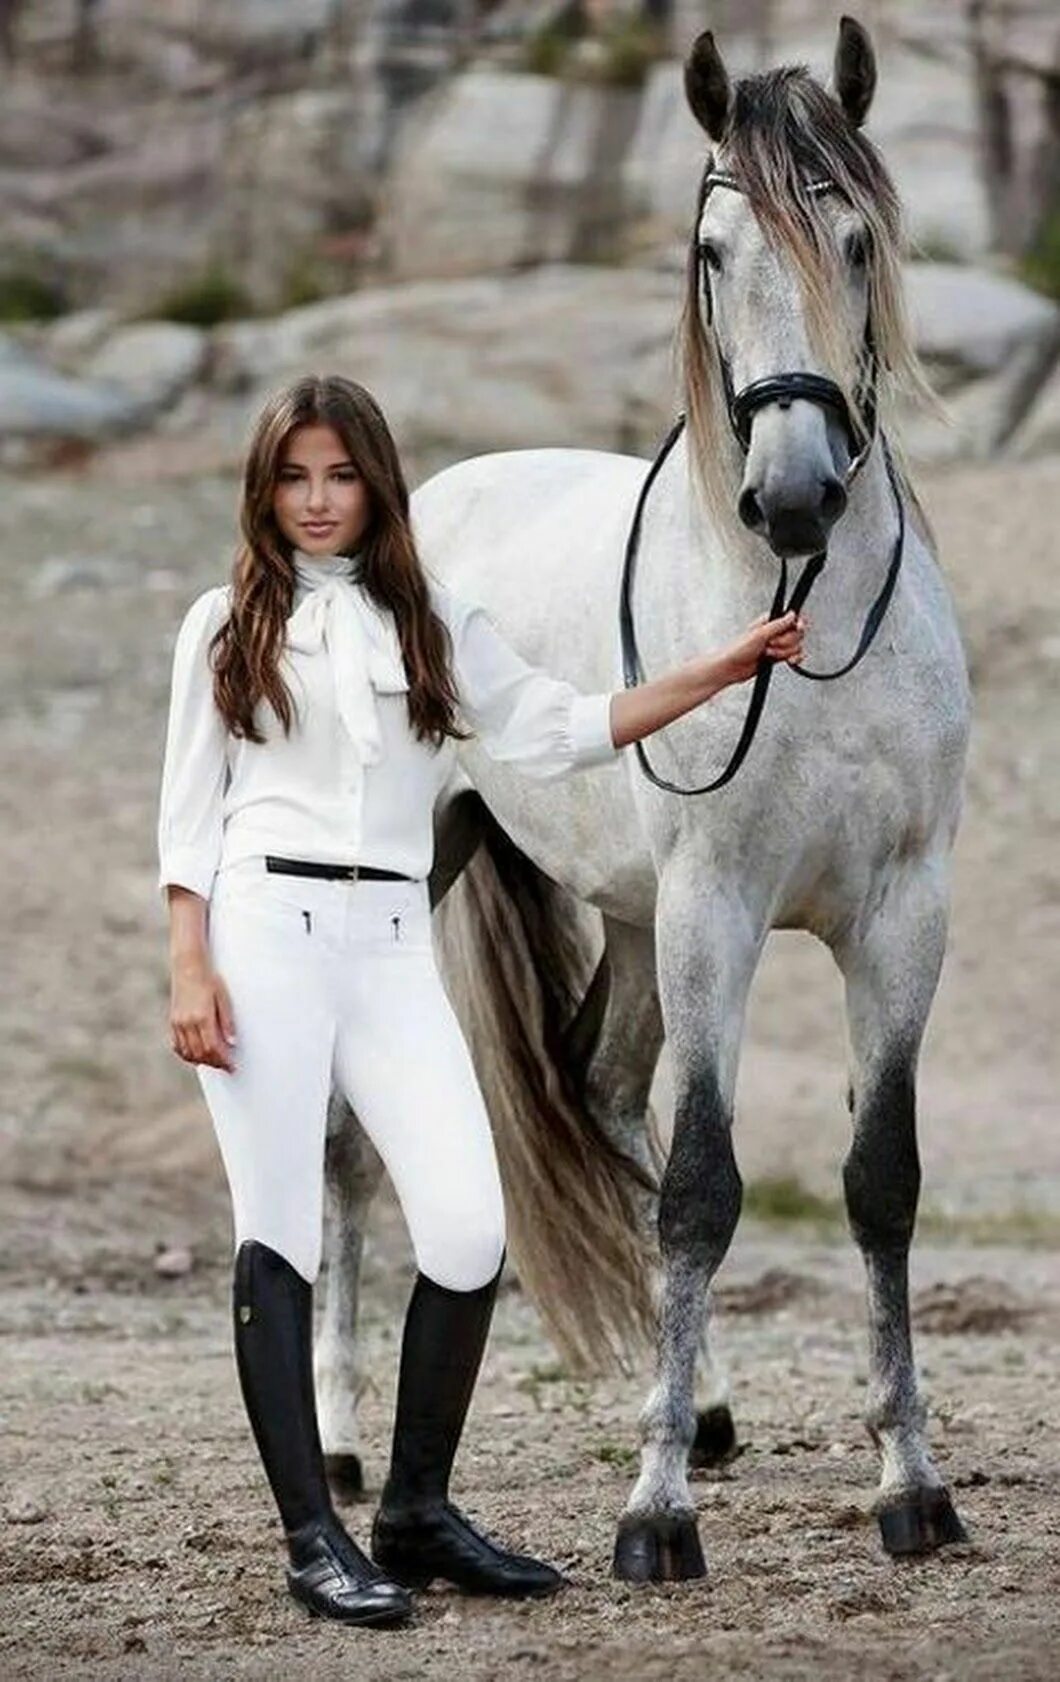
201,1022
778,639
637,712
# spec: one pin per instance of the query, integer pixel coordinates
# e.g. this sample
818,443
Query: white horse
590,918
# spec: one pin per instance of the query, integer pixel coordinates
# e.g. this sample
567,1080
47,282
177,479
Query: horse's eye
857,250
710,255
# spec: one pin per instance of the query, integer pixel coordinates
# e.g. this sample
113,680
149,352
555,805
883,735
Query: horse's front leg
353,1170
706,953
617,1071
891,967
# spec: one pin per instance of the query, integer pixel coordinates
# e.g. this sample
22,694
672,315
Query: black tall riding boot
273,1315
418,1534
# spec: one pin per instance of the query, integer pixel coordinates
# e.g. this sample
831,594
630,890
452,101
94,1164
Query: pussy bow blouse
351,785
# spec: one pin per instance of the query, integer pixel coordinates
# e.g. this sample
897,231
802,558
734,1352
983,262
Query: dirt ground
136,1535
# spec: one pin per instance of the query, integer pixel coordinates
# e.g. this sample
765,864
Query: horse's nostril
833,500
750,510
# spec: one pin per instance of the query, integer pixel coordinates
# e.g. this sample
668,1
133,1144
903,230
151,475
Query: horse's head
793,272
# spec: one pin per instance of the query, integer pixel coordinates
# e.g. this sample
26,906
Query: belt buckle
352,872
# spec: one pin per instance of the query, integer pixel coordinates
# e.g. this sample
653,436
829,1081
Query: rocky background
451,198
480,211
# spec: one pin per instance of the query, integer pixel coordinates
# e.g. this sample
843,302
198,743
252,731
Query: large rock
152,360
973,321
564,355
37,403
499,171
1039,433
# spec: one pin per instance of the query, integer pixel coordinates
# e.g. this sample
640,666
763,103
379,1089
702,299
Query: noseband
742,406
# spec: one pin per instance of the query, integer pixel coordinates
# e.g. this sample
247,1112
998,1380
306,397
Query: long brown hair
245,651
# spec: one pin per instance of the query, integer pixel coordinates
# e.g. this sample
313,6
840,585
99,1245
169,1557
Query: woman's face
319,500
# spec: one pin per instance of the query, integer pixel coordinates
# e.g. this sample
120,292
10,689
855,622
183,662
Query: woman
314,709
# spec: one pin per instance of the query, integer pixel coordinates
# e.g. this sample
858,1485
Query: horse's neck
729,578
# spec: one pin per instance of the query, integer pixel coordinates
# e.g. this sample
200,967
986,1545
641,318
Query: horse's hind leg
622,1027
353,1170
707,953
891,968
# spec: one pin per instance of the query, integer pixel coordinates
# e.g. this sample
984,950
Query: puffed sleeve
522,715
195,764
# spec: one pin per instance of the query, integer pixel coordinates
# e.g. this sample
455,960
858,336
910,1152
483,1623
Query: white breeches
334,983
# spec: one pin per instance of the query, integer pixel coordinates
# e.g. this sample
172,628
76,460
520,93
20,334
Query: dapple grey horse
581,923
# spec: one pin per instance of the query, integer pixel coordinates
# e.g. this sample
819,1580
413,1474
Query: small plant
1040,266
205,300
621,1455
546,50
631,46
783,1199
26,296
302,284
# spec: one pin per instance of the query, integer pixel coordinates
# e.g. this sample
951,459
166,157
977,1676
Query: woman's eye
347,475
710,255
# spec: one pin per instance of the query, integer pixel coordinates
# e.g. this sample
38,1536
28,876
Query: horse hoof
658,1550
919,1522
714,1443
345,1475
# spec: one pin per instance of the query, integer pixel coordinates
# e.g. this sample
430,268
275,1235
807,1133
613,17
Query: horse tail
519,971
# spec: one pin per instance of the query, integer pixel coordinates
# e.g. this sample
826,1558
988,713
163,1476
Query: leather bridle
742,406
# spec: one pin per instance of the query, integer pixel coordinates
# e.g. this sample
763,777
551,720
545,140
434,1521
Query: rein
741,407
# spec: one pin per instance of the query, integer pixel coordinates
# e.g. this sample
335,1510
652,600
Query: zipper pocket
308,922
396,921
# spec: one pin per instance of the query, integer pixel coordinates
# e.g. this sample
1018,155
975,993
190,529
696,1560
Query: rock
292,172
989,344
174,1262
566,354
23,1508
1039,433
75,336
36,402
152,360
498,171
975,321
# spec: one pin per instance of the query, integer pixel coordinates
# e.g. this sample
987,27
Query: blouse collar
311,571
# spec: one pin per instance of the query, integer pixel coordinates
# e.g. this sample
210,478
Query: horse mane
786,131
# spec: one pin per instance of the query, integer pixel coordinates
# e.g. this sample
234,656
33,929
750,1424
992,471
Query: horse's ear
855,70
707,86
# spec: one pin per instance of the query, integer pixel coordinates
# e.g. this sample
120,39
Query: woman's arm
201,1021
636,713
548,728
189,839
194,762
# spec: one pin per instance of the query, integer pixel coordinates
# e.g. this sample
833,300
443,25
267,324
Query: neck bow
335,612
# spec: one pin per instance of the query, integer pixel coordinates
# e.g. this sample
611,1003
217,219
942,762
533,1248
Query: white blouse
351,784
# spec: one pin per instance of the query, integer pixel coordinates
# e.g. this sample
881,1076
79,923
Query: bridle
741,407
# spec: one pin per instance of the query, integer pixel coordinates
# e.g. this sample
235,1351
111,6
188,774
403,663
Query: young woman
315,705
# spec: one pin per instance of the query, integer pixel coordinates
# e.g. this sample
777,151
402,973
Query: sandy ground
136,1537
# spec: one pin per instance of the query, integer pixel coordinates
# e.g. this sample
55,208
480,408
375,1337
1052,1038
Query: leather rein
741,407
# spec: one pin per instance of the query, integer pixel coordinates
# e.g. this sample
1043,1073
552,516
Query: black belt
312,867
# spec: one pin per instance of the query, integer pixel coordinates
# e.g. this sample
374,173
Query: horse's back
505,527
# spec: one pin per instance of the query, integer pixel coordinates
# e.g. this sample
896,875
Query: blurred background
480,211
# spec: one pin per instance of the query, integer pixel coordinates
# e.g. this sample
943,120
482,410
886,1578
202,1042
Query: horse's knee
881,1174
701,1192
